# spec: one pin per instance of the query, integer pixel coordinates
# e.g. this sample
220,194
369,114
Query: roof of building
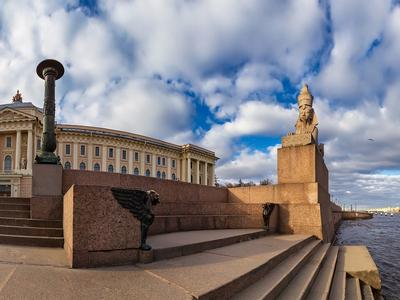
17,105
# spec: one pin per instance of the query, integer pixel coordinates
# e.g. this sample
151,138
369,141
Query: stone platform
265,267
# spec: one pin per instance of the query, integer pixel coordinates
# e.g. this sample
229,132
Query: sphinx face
305,113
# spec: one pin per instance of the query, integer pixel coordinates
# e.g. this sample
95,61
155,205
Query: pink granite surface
98,231
169,190
47,207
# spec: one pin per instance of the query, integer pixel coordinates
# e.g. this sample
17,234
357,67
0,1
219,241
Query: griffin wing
133,200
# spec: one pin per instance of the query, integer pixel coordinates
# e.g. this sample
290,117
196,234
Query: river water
382,237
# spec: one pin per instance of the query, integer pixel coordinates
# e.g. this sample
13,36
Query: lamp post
50,70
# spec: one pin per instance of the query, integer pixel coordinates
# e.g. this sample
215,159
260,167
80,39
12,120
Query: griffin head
154,197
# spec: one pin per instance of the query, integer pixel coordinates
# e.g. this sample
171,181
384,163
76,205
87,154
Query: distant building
91,148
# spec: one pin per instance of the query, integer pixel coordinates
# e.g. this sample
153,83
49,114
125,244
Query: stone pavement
42,273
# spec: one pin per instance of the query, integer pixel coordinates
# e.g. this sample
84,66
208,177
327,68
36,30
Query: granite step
322,284
13,206
42,241
276,280
169,245
31,222
366,292
353,290
338,286
15,200
175,223
31,231
15,213
300,285
223,272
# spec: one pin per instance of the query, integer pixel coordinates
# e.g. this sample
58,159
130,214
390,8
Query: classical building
91,148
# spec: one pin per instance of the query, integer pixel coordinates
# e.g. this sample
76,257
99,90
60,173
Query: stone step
322,284
300,285
165,224
221,273
31,231
15,200
15,213
366,292
42,241
338,286
169,245
12,206
276,280
184,208
31,222
353,290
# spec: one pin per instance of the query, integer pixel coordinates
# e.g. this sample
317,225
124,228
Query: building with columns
93,149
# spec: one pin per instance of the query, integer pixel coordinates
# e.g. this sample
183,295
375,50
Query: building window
148,159
158,174
67,165
163,161
8,163
110,152
163,175
67,149
136,171
96,167
110,168
38,142
136,156
148,173
83,150
158,160
123,170
124,154
174,163
173,176
97,151
8,141
82,166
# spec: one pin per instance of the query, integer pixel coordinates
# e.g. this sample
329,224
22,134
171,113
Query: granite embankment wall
169,190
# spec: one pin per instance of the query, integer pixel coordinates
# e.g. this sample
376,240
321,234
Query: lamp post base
47,158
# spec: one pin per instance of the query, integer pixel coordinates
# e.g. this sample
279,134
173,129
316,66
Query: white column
178,169
104,159
29,155
205,173
197,171
153,165
75,156
130,161
169,168
212,175
90,157
18,151
142,170
188,170
117,160
60,147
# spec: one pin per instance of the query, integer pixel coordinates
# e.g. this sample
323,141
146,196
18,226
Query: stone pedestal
301,161
47,199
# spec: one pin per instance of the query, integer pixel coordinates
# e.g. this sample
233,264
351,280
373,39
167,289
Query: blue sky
224,75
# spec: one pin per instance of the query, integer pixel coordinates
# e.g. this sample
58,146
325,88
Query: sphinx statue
307,121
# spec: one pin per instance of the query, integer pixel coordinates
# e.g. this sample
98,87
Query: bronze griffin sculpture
139,204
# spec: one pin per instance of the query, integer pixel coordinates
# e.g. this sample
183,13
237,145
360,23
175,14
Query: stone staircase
17,228
250,264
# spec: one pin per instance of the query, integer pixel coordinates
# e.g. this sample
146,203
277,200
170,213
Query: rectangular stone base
47,207
297,140
46,180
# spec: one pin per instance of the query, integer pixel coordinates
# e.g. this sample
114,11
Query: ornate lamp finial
305,97
17,97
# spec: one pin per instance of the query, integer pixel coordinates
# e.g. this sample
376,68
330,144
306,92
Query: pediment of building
12,115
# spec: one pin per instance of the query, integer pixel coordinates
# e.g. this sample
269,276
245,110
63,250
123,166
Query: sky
224,75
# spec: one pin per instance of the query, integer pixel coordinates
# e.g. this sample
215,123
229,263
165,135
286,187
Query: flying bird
372,140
